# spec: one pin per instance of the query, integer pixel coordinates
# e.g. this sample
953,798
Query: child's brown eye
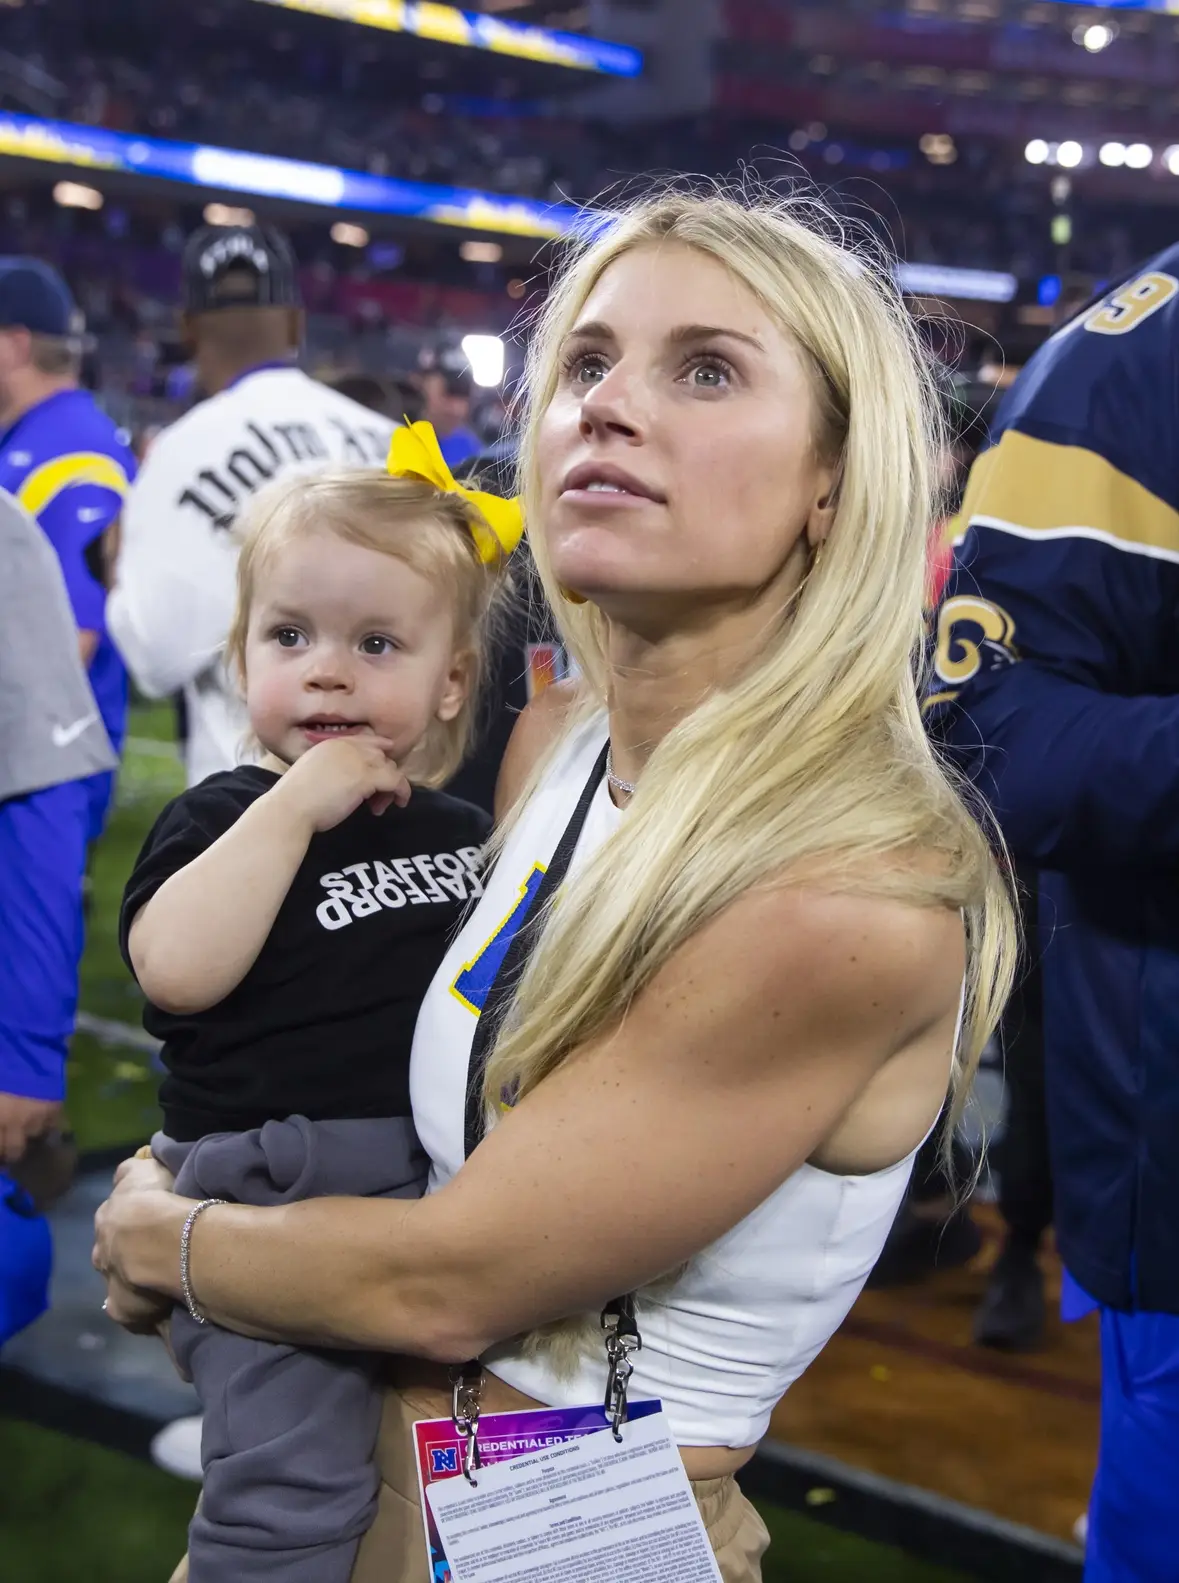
288,637
377,645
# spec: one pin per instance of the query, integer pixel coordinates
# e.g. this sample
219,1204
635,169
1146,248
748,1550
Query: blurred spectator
65,461
446,393
1058,686
365,390
406,403
262,418
54,746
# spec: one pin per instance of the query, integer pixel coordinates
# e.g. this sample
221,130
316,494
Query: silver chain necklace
616,780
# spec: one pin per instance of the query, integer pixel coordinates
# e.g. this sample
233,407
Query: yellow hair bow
414,453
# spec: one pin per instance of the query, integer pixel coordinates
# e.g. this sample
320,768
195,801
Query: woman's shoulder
845,934
835,956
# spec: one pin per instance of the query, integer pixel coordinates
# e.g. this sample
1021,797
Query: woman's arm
731,1069
195,940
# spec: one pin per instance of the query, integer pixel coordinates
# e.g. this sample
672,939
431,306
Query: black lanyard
618,1317
515,960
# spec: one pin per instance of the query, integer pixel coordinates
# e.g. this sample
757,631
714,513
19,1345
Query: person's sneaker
917,1247
177,1448
1011,1314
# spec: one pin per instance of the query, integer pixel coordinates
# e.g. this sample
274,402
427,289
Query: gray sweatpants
289,1432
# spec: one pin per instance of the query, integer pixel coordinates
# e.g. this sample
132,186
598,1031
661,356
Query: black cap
238,266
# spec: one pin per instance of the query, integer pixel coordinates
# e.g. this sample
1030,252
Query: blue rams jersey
70,467
1057,685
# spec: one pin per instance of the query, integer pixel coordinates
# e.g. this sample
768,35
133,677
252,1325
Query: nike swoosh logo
64,735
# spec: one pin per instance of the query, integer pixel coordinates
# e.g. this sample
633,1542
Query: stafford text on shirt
363,889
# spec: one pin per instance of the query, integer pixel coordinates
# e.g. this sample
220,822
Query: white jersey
170,610
723,1342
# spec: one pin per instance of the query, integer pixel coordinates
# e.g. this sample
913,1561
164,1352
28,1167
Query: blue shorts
1134,1509
42,860
26,1261
100,791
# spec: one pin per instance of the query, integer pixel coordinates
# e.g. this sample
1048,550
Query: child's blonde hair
428,529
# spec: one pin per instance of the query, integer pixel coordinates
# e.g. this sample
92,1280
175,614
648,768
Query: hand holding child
332,779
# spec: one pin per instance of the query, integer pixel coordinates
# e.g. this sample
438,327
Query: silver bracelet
194,1215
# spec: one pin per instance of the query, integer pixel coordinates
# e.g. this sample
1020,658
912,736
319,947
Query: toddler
284,920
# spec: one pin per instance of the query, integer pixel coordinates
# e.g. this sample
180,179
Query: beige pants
394,1549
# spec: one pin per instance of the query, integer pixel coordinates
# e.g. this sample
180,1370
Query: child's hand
332,779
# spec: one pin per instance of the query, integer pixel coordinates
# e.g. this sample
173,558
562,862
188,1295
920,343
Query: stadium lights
938,148
349,235
227,214
481,252
72,195
1095,36
946,280
446,24
239,171
1048,291
70,143
485,353
1112,154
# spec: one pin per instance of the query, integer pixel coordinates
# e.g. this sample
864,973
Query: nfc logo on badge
444,1460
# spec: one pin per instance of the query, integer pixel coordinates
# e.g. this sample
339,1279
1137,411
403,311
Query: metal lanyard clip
622,1340
467,1389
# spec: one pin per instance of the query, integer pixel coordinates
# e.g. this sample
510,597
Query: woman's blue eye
586,363
710,375
375,645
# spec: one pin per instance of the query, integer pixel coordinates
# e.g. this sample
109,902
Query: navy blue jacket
1057,685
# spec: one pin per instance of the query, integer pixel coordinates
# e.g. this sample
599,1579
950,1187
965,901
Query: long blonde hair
815,756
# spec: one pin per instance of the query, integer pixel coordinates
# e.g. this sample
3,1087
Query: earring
570,597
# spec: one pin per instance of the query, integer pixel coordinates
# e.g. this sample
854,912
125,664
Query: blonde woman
780,938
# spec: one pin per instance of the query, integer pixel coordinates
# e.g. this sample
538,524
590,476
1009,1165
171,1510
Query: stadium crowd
341,99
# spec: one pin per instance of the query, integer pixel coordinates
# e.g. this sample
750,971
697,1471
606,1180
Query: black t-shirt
321,1025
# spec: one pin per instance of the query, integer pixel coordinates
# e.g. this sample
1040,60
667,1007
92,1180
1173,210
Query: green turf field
70,1510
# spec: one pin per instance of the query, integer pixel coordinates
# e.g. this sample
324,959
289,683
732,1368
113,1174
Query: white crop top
725,1341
